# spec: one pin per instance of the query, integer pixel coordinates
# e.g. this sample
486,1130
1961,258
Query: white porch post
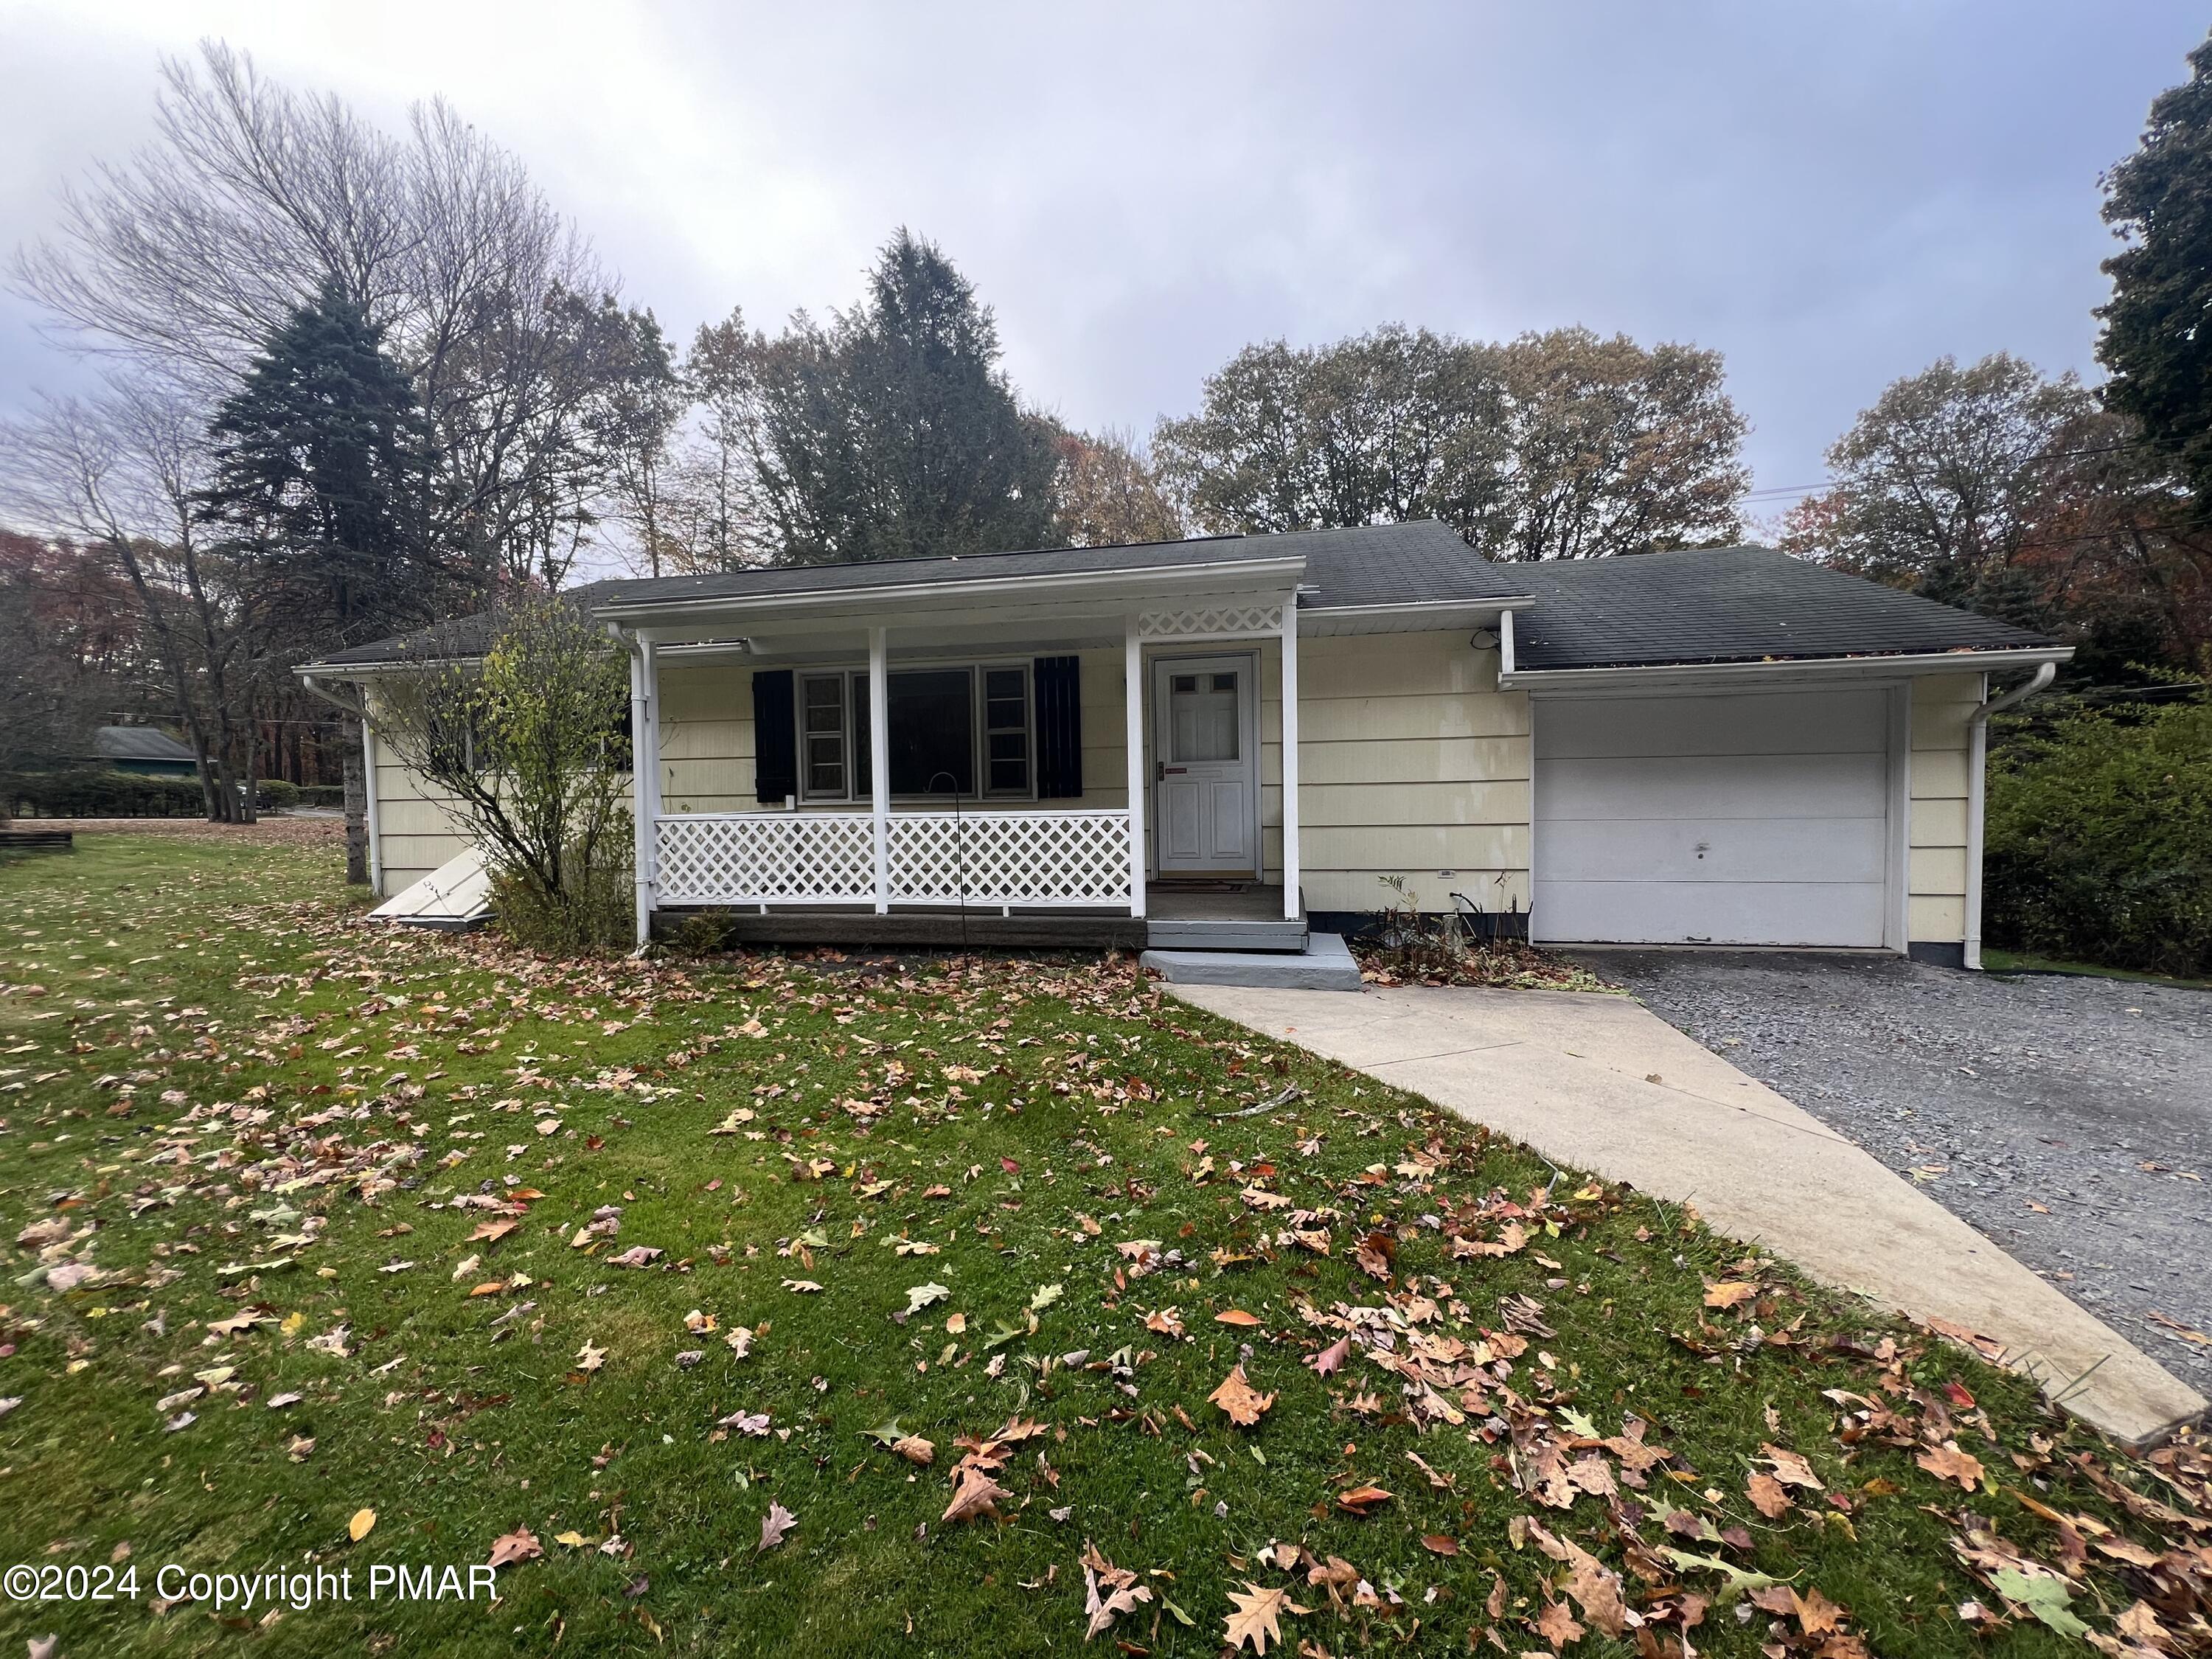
1133,692
368,806
644,778
880,759
1293,904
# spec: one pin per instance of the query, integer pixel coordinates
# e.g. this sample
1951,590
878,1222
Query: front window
951,728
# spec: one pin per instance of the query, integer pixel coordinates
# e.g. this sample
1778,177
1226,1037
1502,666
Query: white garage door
1725,820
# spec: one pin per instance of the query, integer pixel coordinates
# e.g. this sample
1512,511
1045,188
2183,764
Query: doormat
1197,886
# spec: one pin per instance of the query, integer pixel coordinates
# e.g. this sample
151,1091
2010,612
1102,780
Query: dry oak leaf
976,1496
1557,1625
1728,1294
1595,1586
1122,1591
1238,1397
1331,1360
1767,1494
359,1527
520,1545
1947,1462
777,1521
1816,1614
1167,1321
1256,1619
916,1451
590,1357
490,1232
1791,1469
1360,1499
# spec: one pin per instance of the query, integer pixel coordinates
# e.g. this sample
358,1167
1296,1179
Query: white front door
1205,793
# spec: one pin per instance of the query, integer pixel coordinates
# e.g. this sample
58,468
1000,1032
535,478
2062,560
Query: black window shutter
1059,683
775,737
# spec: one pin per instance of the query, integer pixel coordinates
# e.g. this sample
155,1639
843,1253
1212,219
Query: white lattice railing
984,858
766,858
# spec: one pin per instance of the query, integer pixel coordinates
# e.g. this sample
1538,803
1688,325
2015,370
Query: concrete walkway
1602,1083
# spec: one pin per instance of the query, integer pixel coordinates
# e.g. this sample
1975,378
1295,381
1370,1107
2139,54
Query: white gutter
1977,746
1919,662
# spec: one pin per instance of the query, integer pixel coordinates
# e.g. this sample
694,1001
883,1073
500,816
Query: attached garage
1728,819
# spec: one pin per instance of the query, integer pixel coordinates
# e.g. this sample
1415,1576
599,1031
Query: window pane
1202,717
1007,726
822,719
933,733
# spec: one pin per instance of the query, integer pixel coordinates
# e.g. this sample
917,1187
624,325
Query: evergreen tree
2155,345
321,467
893,433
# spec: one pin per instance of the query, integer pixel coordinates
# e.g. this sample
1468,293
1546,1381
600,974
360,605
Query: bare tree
252,196
121,472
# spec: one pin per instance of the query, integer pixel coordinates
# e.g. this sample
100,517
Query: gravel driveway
2069,1120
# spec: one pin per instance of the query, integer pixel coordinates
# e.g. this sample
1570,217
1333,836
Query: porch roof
1371,567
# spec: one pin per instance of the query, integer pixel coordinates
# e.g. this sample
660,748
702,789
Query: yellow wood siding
1411,762
416,832
1935,906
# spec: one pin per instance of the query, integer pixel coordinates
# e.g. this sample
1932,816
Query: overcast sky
1833,196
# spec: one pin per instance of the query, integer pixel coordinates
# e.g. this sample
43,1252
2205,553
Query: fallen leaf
1947,1462
974,1495
1728,1294
777,1521
363,1522
520,1545
1238,1397
1237,1317
1791,1469
1767,1495
1331,1360
1360,1499
919,1297
1257,1616
1437,1543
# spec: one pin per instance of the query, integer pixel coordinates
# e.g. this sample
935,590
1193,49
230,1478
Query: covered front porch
980,768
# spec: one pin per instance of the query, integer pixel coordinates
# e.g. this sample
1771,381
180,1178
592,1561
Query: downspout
640,740
1978,749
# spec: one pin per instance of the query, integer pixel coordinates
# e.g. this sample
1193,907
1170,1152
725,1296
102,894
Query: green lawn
308,1223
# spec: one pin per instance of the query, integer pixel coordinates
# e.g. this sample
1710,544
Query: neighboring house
1726,746
143,751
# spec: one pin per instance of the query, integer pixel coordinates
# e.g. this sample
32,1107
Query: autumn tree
1994,486
717,496
1108,494
891,432
2155,346
1556,445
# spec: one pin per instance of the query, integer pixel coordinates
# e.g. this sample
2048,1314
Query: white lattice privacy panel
1211,622
766,858
1010,858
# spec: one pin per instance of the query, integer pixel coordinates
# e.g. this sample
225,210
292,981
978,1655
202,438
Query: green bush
322,794
91,791
2100,840
598,915
276,795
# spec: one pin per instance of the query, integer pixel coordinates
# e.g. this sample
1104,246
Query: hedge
2099,841
92,792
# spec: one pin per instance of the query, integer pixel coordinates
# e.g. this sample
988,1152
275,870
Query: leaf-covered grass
227,1100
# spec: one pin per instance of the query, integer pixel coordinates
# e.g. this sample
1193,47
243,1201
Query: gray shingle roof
1730,605
140,743
1708,605
1377,564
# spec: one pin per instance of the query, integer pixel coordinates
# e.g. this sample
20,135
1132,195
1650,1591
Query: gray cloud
1831,196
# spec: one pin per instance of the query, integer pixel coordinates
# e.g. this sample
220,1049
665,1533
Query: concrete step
1326,964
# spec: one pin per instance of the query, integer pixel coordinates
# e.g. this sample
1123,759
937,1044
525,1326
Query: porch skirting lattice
983,858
